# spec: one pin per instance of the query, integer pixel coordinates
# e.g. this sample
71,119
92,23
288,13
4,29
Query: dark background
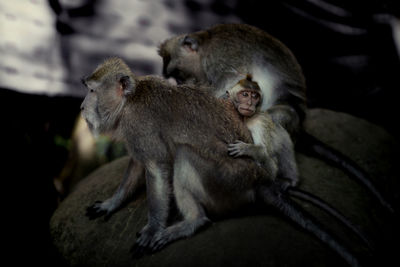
347,50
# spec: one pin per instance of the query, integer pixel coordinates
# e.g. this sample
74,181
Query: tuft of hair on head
249,83
111,65
249,77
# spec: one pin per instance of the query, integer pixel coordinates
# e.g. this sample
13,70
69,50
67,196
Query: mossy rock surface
267,239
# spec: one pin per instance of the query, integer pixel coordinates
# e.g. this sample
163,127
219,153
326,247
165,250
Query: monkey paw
98,209
143,243
160,240
237,149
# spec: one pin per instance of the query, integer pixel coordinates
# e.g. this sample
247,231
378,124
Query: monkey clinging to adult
178,136
222,55
272,147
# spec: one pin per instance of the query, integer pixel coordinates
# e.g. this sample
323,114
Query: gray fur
227,53
222,55
179,134
272,148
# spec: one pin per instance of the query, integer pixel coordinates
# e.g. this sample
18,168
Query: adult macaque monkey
178,135
272,148
222,55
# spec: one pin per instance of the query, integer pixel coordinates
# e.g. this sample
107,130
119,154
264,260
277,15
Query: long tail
323,205
302,218
310,145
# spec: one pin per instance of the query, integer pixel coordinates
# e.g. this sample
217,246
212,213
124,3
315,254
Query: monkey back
181,115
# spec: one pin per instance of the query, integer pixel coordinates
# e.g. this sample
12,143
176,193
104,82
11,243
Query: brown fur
179,136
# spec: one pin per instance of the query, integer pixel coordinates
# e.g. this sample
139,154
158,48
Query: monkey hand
149,243
144,242
237,149
98,209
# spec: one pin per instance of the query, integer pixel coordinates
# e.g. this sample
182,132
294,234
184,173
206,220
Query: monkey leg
272,195
158,179
187,186
133,178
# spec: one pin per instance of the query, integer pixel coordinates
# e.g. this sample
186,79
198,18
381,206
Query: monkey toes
144,243
97,210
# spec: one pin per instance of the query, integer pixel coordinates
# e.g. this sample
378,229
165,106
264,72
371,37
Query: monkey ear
225,96
126,84
190,43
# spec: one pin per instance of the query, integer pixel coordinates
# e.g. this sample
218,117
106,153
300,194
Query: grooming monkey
222,55
178,136
272,148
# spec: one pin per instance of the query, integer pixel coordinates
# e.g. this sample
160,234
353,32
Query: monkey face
89,110
247,101
181,60
108,88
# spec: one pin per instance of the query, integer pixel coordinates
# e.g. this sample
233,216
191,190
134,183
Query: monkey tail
306,221
310,145
323,205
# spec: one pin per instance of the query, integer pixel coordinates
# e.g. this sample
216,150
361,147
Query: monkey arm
239,148
257,152
133,179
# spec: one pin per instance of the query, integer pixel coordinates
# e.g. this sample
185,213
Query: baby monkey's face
247,100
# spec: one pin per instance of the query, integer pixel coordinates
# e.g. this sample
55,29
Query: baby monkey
272,148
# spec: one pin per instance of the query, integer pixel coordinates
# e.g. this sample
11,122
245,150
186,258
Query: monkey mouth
246,112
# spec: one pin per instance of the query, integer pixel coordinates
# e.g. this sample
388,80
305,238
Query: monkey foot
144,242
150,244
165,236
97,210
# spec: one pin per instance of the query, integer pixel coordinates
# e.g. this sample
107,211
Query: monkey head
246,96
107,87
182,59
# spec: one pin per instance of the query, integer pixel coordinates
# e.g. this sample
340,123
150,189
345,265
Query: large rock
248,240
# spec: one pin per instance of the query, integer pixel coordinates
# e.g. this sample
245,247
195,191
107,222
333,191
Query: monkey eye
245,94
255,95
191,43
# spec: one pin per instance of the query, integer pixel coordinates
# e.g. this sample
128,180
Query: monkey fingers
159,240
138,251
146,235
144,241
237,149
96,210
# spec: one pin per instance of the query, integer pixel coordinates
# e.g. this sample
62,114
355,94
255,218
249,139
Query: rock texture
266,239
